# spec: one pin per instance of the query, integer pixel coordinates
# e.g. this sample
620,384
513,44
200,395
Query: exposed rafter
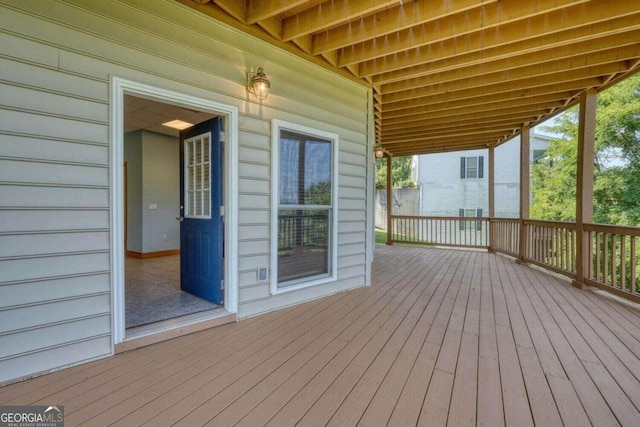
453,74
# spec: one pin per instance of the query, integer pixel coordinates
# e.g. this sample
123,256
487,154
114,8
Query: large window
304,217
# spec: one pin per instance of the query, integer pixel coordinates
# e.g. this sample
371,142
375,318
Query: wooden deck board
442,337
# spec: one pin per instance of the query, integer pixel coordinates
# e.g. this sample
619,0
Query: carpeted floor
152,291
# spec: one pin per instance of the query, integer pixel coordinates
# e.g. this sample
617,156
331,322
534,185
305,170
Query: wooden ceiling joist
452,74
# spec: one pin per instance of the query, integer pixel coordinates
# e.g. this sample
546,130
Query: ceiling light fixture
178,124
379,152
258,84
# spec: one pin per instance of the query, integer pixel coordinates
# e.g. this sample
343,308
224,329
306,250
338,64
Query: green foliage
318,194
617,161
400,173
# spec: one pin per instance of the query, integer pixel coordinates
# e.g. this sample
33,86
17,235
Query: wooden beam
452,128
235,8
515,98
215,11
461,114
438,147
473,104
273,26
507,83
469,120
458,133
505,71
330,14
525,87
475,22
522,53
584,182
573,22
410,14
260,10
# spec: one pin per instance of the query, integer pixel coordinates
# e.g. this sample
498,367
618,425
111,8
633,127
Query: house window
472,167
473,213
305,215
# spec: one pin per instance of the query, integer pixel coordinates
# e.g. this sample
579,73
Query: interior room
152,210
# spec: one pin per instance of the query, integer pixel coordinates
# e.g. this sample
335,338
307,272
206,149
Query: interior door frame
120,87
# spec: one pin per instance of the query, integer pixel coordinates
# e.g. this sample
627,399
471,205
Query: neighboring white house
66,69
457,183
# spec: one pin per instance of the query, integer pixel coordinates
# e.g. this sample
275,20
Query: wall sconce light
379,152
258,84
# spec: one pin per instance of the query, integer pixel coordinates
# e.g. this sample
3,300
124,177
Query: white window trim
119,87
276,126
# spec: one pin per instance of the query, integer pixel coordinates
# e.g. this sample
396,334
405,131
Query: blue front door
201,225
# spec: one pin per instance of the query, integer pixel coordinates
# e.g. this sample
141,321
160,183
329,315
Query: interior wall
153,192
133,158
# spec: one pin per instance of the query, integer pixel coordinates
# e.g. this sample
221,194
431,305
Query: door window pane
197,182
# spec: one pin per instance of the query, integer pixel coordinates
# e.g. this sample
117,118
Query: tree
616,167
401,176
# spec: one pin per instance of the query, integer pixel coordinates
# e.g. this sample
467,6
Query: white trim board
119,87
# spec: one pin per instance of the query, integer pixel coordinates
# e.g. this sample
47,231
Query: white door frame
119,87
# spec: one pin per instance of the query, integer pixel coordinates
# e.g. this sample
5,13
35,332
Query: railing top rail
614,229
443,218
559,224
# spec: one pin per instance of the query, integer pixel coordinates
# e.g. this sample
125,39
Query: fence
469,232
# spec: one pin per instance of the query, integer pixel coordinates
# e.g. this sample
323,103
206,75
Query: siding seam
54,162
54,254
56,139
53,185
65,344
66,231
54,92
52,278
55,116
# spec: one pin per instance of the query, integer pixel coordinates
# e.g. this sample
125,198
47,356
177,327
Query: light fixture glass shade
379,153
259,85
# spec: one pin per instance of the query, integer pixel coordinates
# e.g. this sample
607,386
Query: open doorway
153,181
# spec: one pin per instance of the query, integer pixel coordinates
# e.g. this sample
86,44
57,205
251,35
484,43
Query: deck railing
505,235
468,232
614,263
551,244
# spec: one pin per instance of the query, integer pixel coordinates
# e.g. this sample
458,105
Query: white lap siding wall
57,59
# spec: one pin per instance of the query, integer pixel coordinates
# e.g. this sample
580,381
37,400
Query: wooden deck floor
442,337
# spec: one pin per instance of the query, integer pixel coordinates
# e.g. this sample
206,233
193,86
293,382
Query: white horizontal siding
27,147
53,335
38,268
56,59
17,245
28,317
35,172
52,220
54,358
34,292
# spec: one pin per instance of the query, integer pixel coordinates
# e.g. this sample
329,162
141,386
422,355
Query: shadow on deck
442,337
